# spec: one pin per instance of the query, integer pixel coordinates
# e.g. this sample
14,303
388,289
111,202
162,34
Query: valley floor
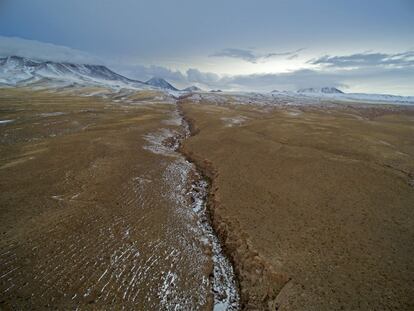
311,204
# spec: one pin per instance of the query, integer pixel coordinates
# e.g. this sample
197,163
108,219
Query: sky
357,46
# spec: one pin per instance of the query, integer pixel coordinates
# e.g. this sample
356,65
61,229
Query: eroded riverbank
183,174
259,282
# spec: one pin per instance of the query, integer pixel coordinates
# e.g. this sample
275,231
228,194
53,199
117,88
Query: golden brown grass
320,197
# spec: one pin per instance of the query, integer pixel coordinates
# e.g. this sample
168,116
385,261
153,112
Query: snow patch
6,121
234,121
162,142
52,114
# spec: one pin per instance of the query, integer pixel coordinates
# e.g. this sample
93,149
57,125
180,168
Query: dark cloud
366,60
252,57
44,51
290,55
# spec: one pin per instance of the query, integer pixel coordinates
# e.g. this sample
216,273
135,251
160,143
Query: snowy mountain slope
335,94
17,71
322,90
192,89
295,98
161,83
20,71
374,98
331,93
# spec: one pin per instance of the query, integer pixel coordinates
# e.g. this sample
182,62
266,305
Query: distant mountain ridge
336,94
16,70
192,89
161,83
21,71
323,90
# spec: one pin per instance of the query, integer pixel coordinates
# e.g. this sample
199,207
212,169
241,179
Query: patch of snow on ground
226,296
234,121
294,113
162,142
52,114
6,121
191,204
210,97
175,119
195,97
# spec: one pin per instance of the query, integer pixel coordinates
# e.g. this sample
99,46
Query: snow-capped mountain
329,93
323,90
16,70
20,71
333,93
192,89
161,83
363,97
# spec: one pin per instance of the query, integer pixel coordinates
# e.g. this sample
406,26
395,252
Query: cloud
192,76
371,79
380,80
360,60
144,73
284,81
391,79
369,71
10,46
246,55
252,57
290,55
206,78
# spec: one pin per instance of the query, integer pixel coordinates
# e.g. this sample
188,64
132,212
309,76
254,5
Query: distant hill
323,90
192,89
161,83
334,93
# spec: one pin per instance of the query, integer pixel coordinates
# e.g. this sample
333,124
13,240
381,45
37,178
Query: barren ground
88,219
314,205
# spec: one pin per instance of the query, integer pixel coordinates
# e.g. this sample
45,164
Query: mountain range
15,70
20,71
336,94
323,90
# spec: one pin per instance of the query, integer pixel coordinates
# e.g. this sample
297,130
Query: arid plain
90,210
312,204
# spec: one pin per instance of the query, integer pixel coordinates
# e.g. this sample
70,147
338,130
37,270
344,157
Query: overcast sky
359,46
